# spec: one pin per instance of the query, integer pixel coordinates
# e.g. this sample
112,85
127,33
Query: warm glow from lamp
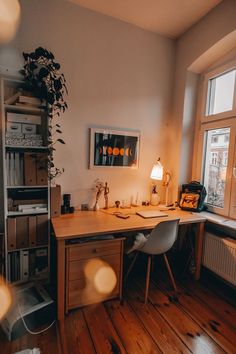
9,19
157,171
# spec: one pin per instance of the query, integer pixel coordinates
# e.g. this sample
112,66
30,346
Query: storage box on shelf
25,189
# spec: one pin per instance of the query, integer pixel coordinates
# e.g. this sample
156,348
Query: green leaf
61,141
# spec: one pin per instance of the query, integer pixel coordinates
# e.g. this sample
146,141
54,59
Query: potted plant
42,77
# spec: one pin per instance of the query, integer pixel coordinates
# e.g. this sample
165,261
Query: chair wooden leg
153,263
170,272
130,267
147,278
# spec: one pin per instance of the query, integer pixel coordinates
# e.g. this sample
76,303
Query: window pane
215,165
221,93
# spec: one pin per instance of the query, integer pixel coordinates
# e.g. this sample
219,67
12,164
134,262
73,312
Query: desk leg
61,279
198,249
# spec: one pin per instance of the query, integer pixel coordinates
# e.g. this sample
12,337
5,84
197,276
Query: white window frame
231,123
207,122
205,118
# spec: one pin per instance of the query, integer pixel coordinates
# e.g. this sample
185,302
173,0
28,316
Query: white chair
160,240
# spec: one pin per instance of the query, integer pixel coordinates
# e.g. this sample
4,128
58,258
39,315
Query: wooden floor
202,319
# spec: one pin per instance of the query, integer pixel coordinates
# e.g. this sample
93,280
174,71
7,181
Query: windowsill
219,220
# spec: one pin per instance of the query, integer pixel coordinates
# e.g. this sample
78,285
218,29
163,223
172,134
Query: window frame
227,123
206,118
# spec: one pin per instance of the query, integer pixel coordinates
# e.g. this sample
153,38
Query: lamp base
155,199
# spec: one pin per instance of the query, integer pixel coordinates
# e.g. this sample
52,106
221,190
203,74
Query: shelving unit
25,184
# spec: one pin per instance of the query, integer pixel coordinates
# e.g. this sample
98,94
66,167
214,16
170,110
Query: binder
42,230
55,203
41,169
21,170
22,236
32,231
11,233
8,168
24,265
17,169
30,168
12,169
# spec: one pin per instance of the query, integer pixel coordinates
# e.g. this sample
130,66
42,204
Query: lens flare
101,276
5,298
105,280
9,19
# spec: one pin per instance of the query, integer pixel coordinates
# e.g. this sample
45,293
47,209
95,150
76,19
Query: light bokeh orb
5,298
100,275
9,19
105,280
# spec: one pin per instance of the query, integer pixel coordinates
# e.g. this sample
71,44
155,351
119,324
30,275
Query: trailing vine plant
42,77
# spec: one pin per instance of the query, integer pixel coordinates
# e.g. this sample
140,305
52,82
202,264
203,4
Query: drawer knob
95,250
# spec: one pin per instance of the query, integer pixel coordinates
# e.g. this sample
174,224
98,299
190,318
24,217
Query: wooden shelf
25,187
27,147
28,248
20,213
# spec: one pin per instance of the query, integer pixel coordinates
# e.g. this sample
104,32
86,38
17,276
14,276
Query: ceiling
170,18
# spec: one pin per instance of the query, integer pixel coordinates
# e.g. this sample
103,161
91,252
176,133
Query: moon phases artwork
114,148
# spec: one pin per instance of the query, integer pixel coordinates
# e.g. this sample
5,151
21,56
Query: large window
217,150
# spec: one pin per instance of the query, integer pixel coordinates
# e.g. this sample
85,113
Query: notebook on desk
151,214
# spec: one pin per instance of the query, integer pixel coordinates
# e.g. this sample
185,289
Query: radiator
219,255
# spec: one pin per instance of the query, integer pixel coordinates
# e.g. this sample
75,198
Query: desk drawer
76,269
80,295
82,291
94,249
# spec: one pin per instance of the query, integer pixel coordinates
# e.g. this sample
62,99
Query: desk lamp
158,173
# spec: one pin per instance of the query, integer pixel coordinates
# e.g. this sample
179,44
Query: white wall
118,76
191,46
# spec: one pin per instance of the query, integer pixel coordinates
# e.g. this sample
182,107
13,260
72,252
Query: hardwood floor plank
77,334
219,288
105,337
188,330
160,331
212,324
46,342
132,332
226,311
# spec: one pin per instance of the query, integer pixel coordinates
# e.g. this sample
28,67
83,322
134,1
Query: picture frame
113,148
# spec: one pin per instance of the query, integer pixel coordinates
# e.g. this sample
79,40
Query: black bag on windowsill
192,196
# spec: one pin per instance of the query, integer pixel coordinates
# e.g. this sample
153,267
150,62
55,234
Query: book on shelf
28,208
12,99
14,169
22,97
33,101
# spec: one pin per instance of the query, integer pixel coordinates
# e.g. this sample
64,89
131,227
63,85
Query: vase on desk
155,199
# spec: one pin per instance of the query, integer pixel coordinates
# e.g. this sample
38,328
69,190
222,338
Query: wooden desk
94,223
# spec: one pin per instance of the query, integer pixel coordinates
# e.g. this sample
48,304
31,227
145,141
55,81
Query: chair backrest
162,237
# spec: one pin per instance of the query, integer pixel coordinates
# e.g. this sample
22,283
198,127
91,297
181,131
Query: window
217,140
221,93
214,177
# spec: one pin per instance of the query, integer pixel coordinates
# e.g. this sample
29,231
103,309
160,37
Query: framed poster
114,148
